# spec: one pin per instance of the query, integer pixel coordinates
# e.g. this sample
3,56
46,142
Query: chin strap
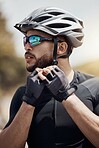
55,62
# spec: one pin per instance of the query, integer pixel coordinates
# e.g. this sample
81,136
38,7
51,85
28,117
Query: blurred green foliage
12,67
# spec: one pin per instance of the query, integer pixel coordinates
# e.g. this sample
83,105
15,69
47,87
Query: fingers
49,69
43,78
38,69
47,73
33,73
41,75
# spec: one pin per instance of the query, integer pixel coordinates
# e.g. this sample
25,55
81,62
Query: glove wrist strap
28,100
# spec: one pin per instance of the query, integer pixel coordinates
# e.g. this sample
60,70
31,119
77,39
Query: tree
12,68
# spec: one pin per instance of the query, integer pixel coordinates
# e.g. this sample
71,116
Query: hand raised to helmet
34,88
57,83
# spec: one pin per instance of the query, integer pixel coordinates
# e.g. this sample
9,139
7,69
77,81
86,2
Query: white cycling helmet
54,21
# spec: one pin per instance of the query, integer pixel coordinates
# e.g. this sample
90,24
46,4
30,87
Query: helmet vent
77,30
69,19
55,13
43,18
58,25
79,38
30,18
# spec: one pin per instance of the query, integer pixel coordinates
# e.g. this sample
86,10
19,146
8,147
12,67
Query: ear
62,48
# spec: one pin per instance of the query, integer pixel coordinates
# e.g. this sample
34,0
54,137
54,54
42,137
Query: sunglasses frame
27,38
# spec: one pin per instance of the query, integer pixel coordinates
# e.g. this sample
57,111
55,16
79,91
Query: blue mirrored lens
34,40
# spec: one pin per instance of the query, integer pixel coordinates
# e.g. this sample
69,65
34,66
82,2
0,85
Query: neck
67,69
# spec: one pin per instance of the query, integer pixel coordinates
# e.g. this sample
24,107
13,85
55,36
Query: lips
29,57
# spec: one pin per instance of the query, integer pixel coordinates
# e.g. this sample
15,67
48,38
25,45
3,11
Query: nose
28,47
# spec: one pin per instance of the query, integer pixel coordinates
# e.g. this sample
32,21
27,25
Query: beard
42,62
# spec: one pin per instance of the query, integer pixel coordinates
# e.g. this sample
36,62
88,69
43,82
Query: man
37,113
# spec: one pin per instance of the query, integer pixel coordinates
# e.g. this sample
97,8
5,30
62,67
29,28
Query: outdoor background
12,65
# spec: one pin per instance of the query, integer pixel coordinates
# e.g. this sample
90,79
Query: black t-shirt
51,126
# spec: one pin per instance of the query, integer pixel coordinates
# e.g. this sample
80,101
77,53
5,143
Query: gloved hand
57,83
34,88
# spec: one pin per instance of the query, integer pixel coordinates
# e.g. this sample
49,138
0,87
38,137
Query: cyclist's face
40,55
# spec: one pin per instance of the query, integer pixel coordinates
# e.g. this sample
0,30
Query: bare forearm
16,134
87,121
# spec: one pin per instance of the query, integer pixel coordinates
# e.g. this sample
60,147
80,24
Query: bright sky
87,10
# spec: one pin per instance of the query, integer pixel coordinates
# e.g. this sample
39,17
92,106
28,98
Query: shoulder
15,103
17,98
84,76
18,94
80,77
21,89
93,81
92,85
89,90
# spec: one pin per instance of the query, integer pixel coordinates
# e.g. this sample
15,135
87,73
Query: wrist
28,105
69,99
28,101
64,95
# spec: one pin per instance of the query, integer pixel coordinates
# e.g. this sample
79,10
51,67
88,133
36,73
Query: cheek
46,49
49,47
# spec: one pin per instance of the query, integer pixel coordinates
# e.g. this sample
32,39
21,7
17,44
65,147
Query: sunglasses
34,40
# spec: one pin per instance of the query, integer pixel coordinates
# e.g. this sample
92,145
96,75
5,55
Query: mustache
28,53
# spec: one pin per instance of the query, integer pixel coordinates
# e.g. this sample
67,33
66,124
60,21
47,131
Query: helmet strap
55,62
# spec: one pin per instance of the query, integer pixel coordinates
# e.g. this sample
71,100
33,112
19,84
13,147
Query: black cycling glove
34,88
58,84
